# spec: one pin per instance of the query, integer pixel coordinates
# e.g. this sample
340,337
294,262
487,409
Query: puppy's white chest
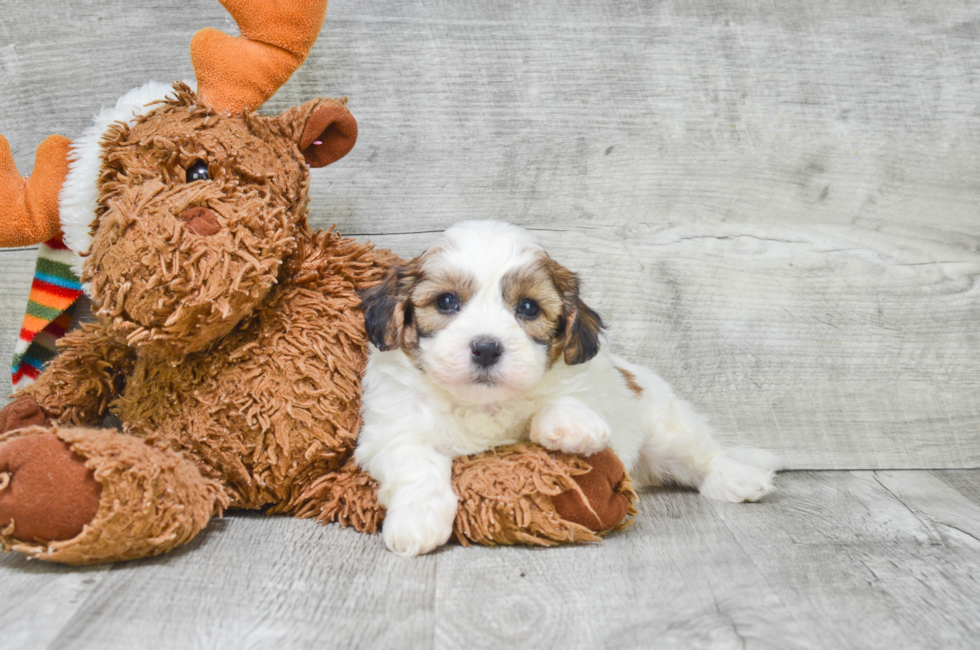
473,429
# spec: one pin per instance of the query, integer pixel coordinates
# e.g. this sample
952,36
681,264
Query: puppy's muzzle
485,352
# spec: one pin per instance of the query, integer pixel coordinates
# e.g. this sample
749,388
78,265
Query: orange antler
235,75
29,206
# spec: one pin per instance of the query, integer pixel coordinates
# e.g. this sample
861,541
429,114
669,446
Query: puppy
483,340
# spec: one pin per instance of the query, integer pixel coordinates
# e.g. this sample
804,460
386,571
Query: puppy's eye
198,171
528,309
447,303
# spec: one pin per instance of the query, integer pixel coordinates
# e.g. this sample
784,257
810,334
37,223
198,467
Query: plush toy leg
87,496
520,494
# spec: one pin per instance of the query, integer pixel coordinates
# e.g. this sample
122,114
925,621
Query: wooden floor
835,559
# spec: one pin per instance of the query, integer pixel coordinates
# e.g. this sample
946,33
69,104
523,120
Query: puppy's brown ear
580,326
387,310
582,331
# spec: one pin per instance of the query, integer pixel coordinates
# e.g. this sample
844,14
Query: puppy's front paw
734,481
416,529
569,425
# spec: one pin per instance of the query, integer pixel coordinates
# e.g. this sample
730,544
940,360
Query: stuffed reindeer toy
227,335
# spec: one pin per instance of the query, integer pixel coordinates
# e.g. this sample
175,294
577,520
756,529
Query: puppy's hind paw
734,481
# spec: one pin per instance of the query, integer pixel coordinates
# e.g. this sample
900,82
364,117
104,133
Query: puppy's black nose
486,352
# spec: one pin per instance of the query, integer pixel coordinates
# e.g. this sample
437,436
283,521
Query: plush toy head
211,205
205,195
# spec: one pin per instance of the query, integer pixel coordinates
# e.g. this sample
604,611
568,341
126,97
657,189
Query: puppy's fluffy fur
483,341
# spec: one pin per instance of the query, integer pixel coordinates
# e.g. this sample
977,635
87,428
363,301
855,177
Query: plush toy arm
29,206
519,494
78,384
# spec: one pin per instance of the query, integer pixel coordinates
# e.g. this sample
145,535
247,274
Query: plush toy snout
173,275
200,221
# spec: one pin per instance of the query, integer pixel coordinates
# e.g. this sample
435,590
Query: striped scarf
49,311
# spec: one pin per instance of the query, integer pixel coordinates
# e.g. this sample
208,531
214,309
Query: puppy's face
484,312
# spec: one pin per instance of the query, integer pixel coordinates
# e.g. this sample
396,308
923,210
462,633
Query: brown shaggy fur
233,358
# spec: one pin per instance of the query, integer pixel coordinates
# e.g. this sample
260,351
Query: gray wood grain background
773,204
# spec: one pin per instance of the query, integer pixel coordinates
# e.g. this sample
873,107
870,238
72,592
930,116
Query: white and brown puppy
483,341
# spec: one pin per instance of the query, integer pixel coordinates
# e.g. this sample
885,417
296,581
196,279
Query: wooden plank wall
774,204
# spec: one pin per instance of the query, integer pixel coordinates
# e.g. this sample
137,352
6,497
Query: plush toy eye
447,303
528,309
198,171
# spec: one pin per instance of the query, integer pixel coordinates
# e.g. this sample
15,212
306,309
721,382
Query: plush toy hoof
597,505
22,412
46,492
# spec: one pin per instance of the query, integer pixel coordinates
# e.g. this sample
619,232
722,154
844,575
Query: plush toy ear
329,134
387,310
582,326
